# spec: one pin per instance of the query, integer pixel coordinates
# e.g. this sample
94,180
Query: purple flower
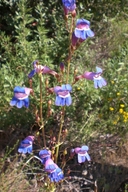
63,96
20,97
95,76
54,172
26,145
41,69
69,6
82,154
44,155
62,67
82,31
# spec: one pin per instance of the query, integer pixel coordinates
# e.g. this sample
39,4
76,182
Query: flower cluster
63,96
82,154
41,69
54,172
121,115
21,97
95,77
82,32
69,7
26,146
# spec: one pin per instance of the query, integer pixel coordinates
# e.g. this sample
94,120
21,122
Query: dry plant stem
70,48
41,115
60,131
30,160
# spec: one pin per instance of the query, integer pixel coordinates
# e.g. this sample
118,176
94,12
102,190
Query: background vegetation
36,30
31,30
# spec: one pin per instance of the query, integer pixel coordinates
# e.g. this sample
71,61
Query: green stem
41,115
70,48
60,131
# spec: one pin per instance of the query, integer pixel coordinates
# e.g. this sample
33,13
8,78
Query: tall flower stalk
60,131
41,114
77,35
67,80
70,48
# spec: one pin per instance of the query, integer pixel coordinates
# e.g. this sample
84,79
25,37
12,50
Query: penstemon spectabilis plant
79,30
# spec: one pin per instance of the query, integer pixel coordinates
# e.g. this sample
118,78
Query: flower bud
66,17
62,67
49,102
66,131
46,82
65,152
30,83
74,13
77,78
75,71
37,119
54,138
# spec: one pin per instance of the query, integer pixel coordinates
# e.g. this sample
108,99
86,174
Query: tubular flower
82,154
44,155
95,76
26,145
69,7
81,32
54,172
20,97
41,69
63,96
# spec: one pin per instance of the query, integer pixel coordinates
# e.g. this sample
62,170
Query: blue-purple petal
57,88
83,34
63,102
25,149
32,73
89,33
58,101
63,88
99,70
81,159
69,4
82,21
56,176
95,83
68,87
104,83
88,157
50,168
77,33
68,100
13,101
20,104
22,150
84,148
19,89
44,155
99,82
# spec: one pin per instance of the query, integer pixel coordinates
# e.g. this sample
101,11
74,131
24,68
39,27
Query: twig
30,160
80,178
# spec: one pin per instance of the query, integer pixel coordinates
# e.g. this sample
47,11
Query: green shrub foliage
33,30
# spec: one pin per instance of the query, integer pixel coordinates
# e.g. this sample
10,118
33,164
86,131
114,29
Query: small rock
85,172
